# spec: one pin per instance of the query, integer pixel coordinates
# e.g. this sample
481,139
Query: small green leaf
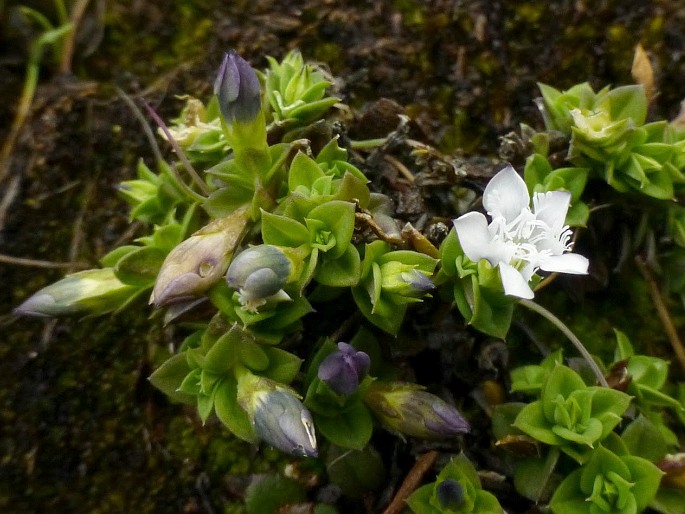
532,421
419,501
350,429
283,366
272,492
169,377
340,272
229,411
644,439
534,478
283,231
140,267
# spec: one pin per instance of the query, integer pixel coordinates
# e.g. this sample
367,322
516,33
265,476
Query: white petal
551,208
567,263
474,236
506,195
513,282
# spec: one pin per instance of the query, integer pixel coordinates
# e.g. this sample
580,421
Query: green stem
368,144
570,335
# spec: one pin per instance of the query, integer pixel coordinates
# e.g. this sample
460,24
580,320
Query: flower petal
567,263
551,208
506,195
513,282
474,236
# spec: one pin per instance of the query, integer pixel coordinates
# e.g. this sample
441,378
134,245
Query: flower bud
344,369
259,274
407,409
197,263
238,89
450,494
94,291
404,280
279,418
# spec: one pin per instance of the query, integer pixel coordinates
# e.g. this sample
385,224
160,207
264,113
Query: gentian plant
300,295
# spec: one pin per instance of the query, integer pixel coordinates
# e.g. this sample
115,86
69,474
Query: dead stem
662,311
397,164
77,11
35,263
411,482
368,220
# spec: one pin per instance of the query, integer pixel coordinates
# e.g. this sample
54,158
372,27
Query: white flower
517,240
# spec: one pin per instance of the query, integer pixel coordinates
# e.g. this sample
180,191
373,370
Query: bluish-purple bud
450,494
281,420
238,89
407,409
344,369
259,273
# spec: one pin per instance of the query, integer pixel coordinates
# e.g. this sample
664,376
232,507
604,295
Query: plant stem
662,311
539,309
368,144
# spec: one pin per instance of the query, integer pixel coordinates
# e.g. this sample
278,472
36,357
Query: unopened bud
344,369
407,409
450,494
404,280
94,291
193,266
238,90
259,274
279,417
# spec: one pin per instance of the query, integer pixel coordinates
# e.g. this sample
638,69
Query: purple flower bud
238,89
281,420
407,409
195,264
450,494
344,369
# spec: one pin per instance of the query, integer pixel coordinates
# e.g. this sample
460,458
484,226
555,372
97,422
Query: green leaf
628,102
669,500
222,356
486,503
608,405
356,472
110,260
563,381
229,411
169,377
391,323
140,267
623,347
303,173
283,366
338,216
646,477
648,371
252,355
568,498
341,272
644,439
283,231
419,500
272,492
350,429
503,417
532,421
534,478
